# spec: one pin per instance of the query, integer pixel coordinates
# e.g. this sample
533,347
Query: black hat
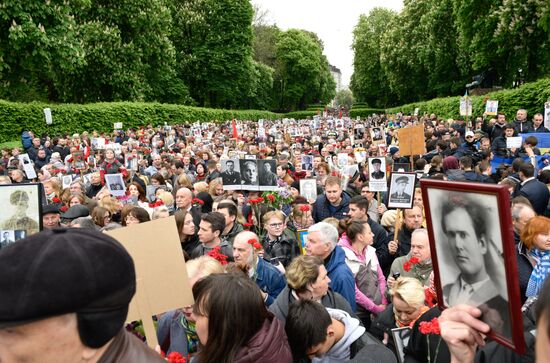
76,211
402,179
63,271
52,208
376,161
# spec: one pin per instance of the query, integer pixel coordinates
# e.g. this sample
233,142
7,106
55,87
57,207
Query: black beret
376,161
76,211
63,271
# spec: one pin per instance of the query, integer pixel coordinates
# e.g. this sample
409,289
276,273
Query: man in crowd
323,334
420,250
322,242
333,203
155,166
184,201
538,124
232,227
535,191
412,219
245,252
51,217
210,229
95,185
50,315
521,124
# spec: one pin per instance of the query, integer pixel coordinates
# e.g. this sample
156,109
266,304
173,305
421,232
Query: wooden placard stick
396,226
146,314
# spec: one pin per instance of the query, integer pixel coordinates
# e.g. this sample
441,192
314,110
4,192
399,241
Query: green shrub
300,114
71,118
364,112
530,96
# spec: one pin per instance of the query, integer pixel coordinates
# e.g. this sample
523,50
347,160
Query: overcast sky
333,21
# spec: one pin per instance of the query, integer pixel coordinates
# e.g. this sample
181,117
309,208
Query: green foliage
300,115
530,96
433,48
364,112
344,98
70,118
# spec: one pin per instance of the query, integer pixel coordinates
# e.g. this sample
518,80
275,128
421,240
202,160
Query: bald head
243,251
184,196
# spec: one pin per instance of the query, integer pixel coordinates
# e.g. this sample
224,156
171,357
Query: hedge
300,114
530,96
71,118
364,112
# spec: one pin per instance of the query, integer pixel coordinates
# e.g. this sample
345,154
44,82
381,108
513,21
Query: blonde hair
213,185
203,266
274,214
167,198
200,187
302,271
410,290
109,203
184,181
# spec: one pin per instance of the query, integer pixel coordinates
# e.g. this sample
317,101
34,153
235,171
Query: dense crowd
281,270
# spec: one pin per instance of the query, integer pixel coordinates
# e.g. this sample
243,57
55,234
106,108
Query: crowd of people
278,274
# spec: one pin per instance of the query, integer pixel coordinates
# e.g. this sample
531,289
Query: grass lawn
10,144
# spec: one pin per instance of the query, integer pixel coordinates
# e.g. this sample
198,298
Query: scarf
191,334
540,272
400,324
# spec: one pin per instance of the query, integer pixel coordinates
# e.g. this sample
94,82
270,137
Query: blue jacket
269,280
321,208
341,277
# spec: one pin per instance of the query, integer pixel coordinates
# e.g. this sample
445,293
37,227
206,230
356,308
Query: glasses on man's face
275,225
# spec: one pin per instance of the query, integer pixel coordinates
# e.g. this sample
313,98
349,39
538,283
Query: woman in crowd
408,304
323,171
160,212
51,189
201,171
307,278
278,247
101,217
216,188
284,174
76,198
113,206
370,282
137,215
300,217
158,180
249,333
110,163
187,231
436,166
135,190
176,330
536,237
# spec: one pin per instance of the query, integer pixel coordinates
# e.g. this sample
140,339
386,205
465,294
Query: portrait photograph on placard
249,174
308,189
21,208
267,174
473,253
307,162
342,159
231,177
67,180
402,190
377,167
402,167
401,337
115,184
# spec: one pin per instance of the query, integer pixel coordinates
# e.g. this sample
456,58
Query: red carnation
414,260
260,199
305,208
271,197
198,201
430,327
56,200
64,208
254,201
175,357
407,266
257,246
248,225
216,254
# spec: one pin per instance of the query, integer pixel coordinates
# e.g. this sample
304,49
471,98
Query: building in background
337,75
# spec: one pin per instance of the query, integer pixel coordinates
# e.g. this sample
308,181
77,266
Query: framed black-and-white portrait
308,189
230,173
401,337
249,174
66,181
21,209
377,174
473,256
115,184
342,159
267,176
307,162
402,190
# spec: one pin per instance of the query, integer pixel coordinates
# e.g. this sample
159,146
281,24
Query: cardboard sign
411,140
162,282
118,125
491,108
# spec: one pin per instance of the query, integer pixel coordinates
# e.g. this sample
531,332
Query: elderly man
420,250
333,203
69,302
245,252
51,217
155,167
412,219
521,214
95,185
322,241
184,201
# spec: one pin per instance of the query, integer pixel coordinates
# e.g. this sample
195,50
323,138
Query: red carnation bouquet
197,202
427,328
407,266
216,254
254,243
